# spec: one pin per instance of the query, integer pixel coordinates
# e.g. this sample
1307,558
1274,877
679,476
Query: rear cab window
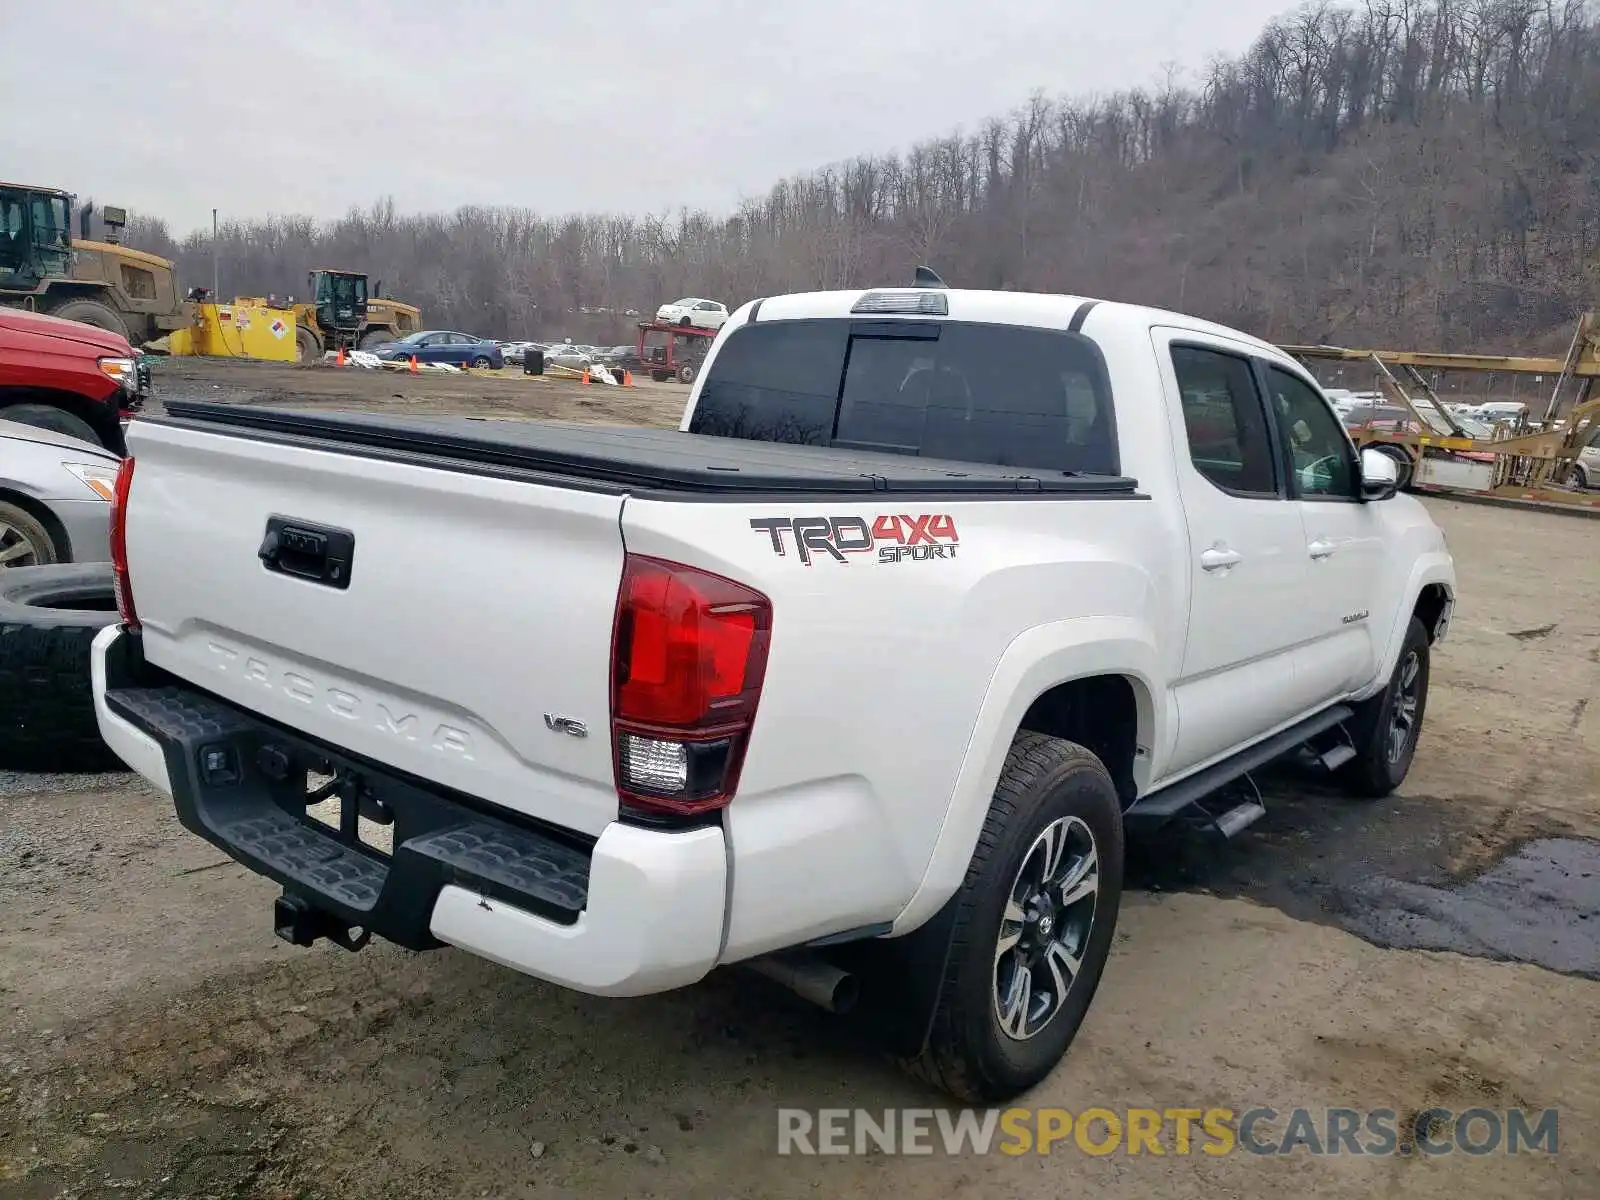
1004,395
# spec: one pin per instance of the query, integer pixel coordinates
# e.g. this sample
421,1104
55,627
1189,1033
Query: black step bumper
240,783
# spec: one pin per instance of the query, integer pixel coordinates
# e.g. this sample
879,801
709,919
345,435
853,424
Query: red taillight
688,655
119,545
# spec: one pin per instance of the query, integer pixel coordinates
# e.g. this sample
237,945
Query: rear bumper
636,911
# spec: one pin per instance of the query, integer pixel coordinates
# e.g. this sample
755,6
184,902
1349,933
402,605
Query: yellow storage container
243,329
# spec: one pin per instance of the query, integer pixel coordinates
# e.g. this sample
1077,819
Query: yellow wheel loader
104,284
342,314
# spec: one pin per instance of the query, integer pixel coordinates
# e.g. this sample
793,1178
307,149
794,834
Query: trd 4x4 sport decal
896,538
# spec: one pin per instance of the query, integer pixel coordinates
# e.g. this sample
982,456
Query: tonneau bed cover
637,459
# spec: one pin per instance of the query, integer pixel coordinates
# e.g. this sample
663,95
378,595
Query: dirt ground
157,1040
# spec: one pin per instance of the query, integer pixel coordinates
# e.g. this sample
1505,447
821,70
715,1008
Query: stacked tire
49,618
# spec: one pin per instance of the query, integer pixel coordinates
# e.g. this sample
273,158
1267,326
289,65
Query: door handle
1321,548
1216,558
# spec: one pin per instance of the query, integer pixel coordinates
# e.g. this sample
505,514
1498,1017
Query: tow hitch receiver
300,924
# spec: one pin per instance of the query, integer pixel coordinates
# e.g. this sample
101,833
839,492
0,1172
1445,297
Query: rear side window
1225,419
774,383
1033,399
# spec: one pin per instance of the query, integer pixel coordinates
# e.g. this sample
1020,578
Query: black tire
49,617
56,420
1047,783
92,312
685,323
660,376
1382,758
305,345
687,372
24,540
482,363
1576,479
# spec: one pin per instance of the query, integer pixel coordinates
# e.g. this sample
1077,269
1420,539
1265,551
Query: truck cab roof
1038,310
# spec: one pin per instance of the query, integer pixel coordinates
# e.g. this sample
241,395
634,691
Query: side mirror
1380,475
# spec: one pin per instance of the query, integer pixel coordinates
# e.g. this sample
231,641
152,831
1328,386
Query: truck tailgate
469,644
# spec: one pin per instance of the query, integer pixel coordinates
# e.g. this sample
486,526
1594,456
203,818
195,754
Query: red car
68,377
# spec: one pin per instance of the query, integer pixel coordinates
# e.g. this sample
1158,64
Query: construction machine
113,287
342,315
104,284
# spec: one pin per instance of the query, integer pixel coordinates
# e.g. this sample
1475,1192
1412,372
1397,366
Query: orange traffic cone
627,377
339,361
414,370
586,374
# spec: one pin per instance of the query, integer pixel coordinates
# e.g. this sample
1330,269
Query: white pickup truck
858,677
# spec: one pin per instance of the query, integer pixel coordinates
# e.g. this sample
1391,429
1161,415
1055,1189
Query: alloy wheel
17,548
1403,720
1045,928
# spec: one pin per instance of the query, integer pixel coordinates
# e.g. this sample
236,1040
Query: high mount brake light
920,303
119,545
688,657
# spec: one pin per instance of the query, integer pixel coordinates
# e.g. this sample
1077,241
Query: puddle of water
1540,905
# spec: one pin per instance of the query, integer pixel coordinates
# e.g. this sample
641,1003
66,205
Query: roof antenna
925,278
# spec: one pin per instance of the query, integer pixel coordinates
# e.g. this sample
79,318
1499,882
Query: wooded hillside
1397,173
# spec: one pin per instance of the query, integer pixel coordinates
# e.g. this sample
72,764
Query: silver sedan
55,497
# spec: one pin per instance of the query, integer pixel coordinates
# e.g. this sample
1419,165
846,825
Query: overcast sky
171,107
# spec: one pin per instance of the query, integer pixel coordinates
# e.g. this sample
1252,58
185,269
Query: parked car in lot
859,678
55,496
1585,469
76,379
443,346
691,310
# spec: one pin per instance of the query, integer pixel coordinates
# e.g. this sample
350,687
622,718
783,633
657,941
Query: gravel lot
157,1040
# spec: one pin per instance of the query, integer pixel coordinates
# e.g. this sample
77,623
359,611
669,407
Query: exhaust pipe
810,978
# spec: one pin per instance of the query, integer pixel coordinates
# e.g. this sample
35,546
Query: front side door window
1321,458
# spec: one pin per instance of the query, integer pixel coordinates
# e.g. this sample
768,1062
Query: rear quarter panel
879,668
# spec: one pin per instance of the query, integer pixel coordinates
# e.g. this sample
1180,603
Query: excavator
126,291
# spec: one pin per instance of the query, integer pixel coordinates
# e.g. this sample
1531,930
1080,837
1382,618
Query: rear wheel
482,363
56,420
1576,478
49,618
24,541
92,312
1386,727
1034,922
687,372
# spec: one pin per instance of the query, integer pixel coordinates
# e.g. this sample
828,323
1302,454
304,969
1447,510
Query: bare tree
1394,170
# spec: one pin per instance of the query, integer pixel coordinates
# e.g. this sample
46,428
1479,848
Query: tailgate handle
317,553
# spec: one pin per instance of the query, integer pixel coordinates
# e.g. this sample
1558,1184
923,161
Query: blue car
443,346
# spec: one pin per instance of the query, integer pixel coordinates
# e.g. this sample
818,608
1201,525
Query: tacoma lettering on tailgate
895,537
340,702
